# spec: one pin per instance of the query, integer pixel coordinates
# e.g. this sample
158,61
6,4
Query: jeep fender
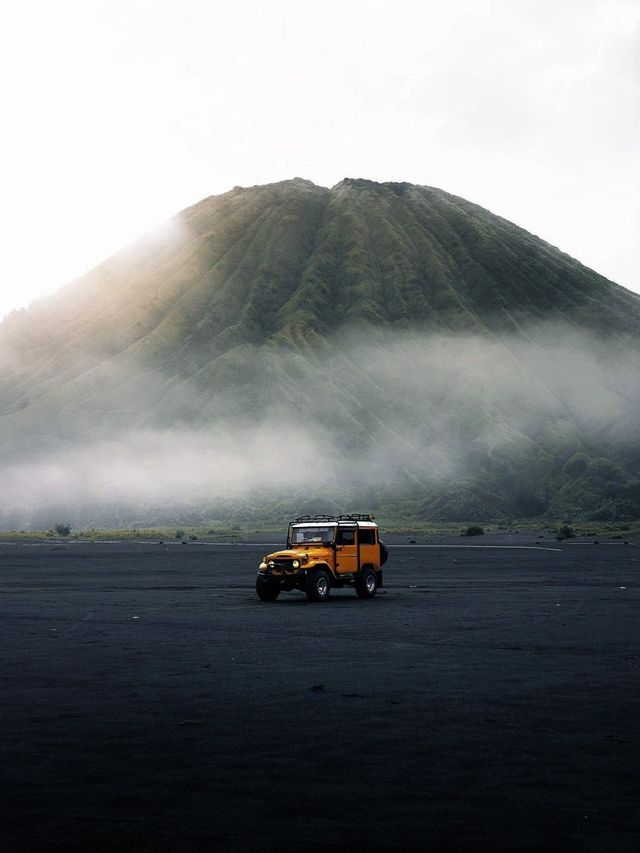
323,566
376,569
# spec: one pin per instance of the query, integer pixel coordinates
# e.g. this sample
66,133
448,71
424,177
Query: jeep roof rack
353,516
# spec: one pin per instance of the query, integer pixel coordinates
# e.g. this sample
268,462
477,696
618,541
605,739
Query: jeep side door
347,550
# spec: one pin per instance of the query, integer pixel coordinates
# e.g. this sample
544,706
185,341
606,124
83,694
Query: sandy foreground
487,699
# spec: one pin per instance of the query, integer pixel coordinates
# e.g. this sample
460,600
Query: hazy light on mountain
123,113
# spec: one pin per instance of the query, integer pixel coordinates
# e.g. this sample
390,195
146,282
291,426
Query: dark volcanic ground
488,699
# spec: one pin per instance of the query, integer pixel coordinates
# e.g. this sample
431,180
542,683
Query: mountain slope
432,357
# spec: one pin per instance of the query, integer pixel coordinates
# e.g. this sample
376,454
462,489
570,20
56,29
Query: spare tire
384,553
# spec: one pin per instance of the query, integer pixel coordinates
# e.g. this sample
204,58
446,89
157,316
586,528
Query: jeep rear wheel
366,584
268,590
318,585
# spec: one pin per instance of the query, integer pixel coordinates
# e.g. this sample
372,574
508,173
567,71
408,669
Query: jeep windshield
317,535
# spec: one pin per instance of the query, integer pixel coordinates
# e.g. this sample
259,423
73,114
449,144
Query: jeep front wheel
366,584
268,590
318,585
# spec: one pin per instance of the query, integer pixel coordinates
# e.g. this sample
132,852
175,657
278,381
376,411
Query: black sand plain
487,699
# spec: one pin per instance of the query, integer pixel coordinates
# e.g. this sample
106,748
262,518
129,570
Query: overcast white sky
118,113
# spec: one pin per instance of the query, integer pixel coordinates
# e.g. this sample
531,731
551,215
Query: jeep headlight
263,566
296,564
271,564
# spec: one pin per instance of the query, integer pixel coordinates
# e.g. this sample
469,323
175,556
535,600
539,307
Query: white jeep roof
343,523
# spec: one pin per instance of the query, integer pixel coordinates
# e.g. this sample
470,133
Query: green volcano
382,347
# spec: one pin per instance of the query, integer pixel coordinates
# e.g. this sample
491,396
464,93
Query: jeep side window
346,536
367,536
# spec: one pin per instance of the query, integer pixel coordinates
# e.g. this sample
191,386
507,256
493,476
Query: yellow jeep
325,551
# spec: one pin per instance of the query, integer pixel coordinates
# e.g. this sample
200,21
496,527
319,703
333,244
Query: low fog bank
427,426
149,473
